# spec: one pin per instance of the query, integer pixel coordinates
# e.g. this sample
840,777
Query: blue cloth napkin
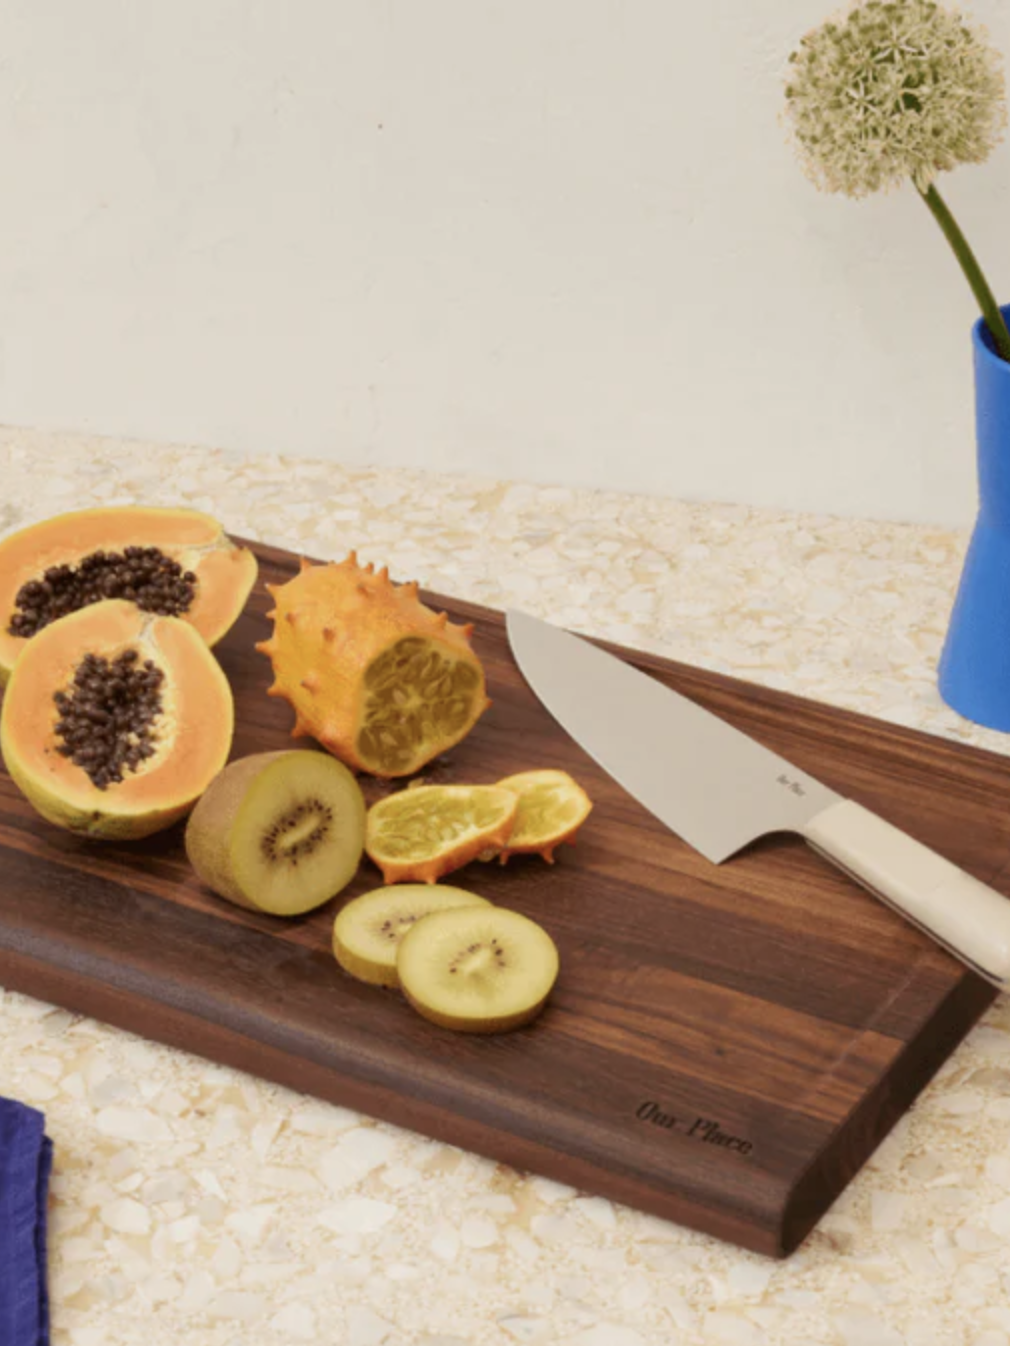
26,1156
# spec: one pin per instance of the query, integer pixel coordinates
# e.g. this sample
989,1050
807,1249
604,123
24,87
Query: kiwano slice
171,562
115,721
425,831
552,808
383,682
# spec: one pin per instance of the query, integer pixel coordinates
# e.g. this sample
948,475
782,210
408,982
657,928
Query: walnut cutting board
725,1046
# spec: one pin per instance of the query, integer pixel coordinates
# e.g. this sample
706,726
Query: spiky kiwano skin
379,679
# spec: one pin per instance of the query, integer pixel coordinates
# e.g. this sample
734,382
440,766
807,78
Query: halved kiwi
280,832
477,969
367,932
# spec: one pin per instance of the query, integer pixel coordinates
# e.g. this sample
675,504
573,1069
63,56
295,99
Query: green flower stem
971,269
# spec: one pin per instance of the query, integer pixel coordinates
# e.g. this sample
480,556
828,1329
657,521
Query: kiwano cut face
169,562
115,721
382,681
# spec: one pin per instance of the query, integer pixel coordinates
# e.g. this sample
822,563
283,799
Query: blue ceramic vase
974,673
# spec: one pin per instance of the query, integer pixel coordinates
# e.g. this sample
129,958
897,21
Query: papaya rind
96,824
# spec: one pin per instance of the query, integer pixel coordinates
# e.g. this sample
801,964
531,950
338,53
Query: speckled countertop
347,1232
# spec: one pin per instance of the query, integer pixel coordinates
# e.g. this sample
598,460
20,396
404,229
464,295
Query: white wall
556,239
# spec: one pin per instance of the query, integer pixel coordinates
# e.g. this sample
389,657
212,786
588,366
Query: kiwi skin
364,971
504,1023
208,828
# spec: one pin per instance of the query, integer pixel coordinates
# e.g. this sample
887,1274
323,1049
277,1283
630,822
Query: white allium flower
895,89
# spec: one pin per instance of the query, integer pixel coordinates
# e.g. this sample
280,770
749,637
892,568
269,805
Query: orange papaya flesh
222,573
191,732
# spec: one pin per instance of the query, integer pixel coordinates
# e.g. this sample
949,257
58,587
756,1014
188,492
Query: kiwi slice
367,932
280,832
477,969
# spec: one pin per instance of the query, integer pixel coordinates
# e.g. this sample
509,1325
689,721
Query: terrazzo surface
194,1203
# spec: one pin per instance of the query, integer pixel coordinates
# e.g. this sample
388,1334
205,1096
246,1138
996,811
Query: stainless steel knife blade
714,786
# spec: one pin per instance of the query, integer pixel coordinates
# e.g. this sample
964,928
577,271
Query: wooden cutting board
725,1045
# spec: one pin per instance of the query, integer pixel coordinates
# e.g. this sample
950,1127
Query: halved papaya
115,721
173,562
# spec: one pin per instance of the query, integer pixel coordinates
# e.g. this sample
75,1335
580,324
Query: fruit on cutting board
114,720
419,834
383,682
280,832
552,808
367,932
477,969
170,562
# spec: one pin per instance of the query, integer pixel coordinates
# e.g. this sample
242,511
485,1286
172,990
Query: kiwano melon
115,721
383,682
172,562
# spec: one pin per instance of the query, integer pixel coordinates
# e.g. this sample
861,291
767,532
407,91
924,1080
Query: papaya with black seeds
115,721
170,562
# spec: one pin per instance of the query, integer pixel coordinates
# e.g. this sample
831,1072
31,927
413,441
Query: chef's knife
719,789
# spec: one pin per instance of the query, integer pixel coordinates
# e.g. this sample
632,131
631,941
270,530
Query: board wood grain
725,1045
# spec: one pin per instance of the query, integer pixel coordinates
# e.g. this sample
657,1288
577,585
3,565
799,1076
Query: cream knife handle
967,917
